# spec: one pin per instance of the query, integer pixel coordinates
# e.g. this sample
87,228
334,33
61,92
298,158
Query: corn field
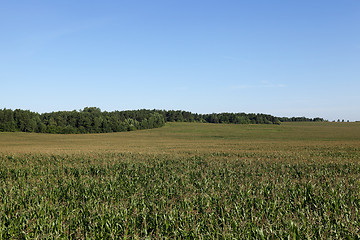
209,196
183,181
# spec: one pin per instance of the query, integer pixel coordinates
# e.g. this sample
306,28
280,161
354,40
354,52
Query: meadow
183,181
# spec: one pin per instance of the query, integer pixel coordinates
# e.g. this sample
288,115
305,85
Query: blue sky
285,58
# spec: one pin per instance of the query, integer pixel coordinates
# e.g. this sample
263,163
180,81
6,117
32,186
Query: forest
93,120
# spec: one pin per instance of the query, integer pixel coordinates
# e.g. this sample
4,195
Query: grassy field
190,138
185,180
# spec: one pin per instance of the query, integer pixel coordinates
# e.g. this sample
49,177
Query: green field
184,181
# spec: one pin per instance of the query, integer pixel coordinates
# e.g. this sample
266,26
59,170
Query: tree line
88,120
301,119
93,120
235,118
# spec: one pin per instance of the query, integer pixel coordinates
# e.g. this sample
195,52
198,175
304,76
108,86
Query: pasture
184,180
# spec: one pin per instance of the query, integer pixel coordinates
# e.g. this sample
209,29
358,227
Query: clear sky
285,58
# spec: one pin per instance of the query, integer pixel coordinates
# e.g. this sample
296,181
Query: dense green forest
93,120
88,120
